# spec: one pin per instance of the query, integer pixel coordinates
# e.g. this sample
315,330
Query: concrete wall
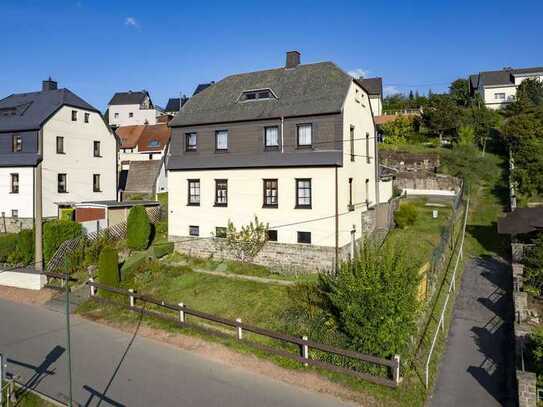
78,161
30,281
385,191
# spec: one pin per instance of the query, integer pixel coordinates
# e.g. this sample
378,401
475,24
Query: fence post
396,369
132,301
305,350
238,329
181,312
92,288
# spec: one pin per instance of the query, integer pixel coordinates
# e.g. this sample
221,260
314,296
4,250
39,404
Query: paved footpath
477,368
113,368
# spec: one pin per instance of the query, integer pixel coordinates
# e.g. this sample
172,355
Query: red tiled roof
154,137
129,135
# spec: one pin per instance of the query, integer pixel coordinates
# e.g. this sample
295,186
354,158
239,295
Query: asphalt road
477,369
112,368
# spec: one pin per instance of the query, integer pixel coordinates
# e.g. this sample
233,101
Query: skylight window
154,143
257,94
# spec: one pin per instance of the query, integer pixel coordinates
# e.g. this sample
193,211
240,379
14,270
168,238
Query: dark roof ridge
282,68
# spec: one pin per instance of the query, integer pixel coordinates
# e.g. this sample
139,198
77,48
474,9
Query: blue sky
98,47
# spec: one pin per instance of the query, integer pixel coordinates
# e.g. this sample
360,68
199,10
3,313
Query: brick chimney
49,84
293,59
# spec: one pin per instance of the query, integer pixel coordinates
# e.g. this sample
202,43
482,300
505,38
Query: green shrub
8,244
57,231
406,215
161,249
24,249
133,262
108,269
67,214
138,228
533,263
535,351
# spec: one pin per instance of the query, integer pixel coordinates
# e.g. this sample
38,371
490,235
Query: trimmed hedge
162,249
24,249
57,231
8,243
108,269
138,228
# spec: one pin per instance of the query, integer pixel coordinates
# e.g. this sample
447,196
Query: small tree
138,228
406,215
466,136
397,131
441,116
247,242
108,269
373,300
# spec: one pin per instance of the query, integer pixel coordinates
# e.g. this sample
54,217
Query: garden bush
108,269
8,243
133,262
406,215
24,249
533,263
57,231
138,228
162,249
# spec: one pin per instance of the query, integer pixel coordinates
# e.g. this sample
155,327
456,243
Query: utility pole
68,342
38,221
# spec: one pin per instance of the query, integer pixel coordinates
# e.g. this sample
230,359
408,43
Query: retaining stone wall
15,225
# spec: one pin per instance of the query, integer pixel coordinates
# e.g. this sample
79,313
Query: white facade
130,115
133,154
23,201
498,96
376,102
245,190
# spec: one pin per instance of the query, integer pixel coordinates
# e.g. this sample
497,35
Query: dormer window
257,94
154,143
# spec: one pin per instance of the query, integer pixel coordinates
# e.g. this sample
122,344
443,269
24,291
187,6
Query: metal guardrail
452,288
240,327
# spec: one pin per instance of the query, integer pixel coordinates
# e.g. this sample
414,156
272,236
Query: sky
98,47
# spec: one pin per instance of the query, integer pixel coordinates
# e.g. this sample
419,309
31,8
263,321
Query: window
304,237
87,116
74,115
368,158
14,213
130,114
14,183
272,235
60,145
116,115
194,230
62,184
257,94
96,183
220,232
191,142
221,140
499,96
17,143
96,149
153,144
351,206
221,192
303,193
271,138
271,197
351,135
194,192
304,135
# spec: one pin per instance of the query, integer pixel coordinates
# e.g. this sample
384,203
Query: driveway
477,368
112,368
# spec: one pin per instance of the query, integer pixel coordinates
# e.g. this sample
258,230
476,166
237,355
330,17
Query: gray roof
201,87
142,176
31,110
173,105
520,221
374,86
301,91
270,159
19,159
501,77
128,98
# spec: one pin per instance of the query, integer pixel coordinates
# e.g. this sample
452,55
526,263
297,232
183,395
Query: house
142,142
174,105
201,87
131,108
374,87
145,179
498,88
292,145
55,148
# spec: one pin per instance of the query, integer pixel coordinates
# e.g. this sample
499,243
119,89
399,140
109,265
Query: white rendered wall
140,116
489,96
24,200
29,281
376,105
78,162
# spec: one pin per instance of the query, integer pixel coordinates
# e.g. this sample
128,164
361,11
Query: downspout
337,222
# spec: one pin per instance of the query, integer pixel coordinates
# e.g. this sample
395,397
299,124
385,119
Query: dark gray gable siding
305,90
374,86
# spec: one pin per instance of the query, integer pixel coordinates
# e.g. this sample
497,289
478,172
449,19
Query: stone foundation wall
527,389
15,225
427,182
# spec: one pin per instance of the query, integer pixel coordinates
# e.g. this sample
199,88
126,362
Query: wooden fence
305,344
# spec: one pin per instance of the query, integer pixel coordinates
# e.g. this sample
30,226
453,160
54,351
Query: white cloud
359,72
131,22
390,90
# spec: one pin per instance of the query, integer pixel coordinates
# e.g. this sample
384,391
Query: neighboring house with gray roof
58,137
293,146
499,88
374,87
145,178
131,108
